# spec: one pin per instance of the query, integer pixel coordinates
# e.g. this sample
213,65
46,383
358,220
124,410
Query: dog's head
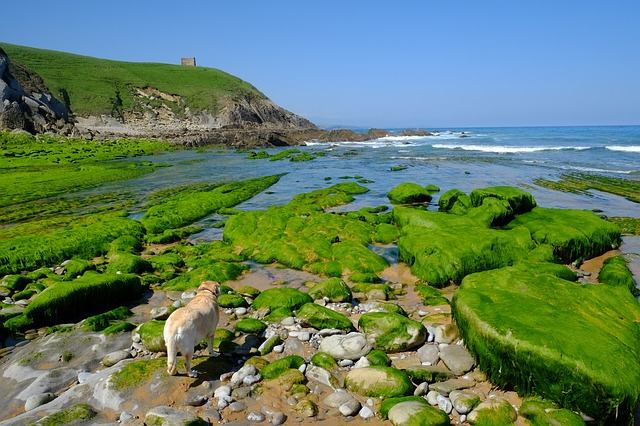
210,286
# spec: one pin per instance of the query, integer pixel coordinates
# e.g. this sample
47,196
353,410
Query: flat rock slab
168,416
457,359
448,386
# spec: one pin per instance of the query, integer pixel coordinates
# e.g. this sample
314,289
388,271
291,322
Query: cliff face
132,98
27,104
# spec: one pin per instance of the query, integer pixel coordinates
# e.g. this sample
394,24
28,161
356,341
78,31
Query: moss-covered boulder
76,414
320,317
151,334
324,360
283,298
564,341
76,267
573,234
71,301
170,416
441,248
493,411
454,201
409,193
333,289
615,271
430,296
101,321
250,326
541,412
281,365
248,291
128,263
520,201
15,282
416,413
385,382
378,357
222,339
231,300
388,403
392,332
429,373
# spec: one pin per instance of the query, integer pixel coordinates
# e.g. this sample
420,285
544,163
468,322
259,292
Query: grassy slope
91,82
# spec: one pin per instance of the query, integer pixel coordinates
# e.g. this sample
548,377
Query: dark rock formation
27,104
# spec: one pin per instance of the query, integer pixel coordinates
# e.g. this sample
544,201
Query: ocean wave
624,148
503,149
392,138
597,170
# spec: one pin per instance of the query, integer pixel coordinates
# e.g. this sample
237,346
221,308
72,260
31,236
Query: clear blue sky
389,64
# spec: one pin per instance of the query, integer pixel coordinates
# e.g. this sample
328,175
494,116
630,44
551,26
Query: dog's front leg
210,345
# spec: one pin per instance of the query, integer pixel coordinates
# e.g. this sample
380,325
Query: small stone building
188,62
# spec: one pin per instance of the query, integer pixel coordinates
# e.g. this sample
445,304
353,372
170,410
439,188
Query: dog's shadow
211,368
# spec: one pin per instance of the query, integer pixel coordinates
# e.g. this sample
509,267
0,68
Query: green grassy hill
92,83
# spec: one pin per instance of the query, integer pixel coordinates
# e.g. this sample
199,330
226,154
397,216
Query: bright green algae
581,183
320,317
615,271
577,345
301,235
409,193
392,332
185,208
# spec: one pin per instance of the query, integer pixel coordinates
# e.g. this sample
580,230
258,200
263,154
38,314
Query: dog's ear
211,286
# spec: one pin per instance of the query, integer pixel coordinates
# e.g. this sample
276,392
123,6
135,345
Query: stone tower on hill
188,62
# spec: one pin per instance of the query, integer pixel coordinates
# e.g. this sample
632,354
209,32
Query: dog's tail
172,354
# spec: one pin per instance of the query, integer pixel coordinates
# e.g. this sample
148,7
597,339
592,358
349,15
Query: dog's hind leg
210,344
187,364
172,353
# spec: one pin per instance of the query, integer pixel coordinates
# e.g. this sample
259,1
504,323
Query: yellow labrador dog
188,325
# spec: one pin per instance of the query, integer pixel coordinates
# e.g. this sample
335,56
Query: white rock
351,346
288,321
444,404
304,336
241,311
421,389
432,397
278,349
238,376
366,412
428,354
222,391
255,417
362,363
345,363
350,408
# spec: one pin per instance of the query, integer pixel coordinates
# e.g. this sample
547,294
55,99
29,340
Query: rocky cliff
26,103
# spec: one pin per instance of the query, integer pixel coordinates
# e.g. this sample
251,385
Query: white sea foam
596,170
503,149
624,148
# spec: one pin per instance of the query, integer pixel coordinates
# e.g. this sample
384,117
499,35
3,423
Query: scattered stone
429,354
196,401
306,408
241,393
366,412
222,391
126,417
240,312
330,332
445,333
237,406
278,349
392,332
457,359
464,401
362,363
188,295
238,377
320,375
448,386
249,380
115,357
37,400
378,381
288,321
304,336
421,389
337,398
212,415
350,346
161,313
255,417
350,408
345,363
444,404
169,416
432,397
278,418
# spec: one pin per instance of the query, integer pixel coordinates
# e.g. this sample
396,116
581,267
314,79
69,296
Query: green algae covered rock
429,373
15,282
231,300
222,338
73,300
76,267
281,298
567,342
378,357
128,263
76,414
441,248
392,332
541,412
491,412
520,201
615,271
334,289
386,233
430,296
409,193
385,382
454,201
276,368
573,234
151,334
320,317
219,271
416,413
324,360
250,326
388,403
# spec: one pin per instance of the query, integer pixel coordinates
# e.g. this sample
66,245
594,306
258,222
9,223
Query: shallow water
507,156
